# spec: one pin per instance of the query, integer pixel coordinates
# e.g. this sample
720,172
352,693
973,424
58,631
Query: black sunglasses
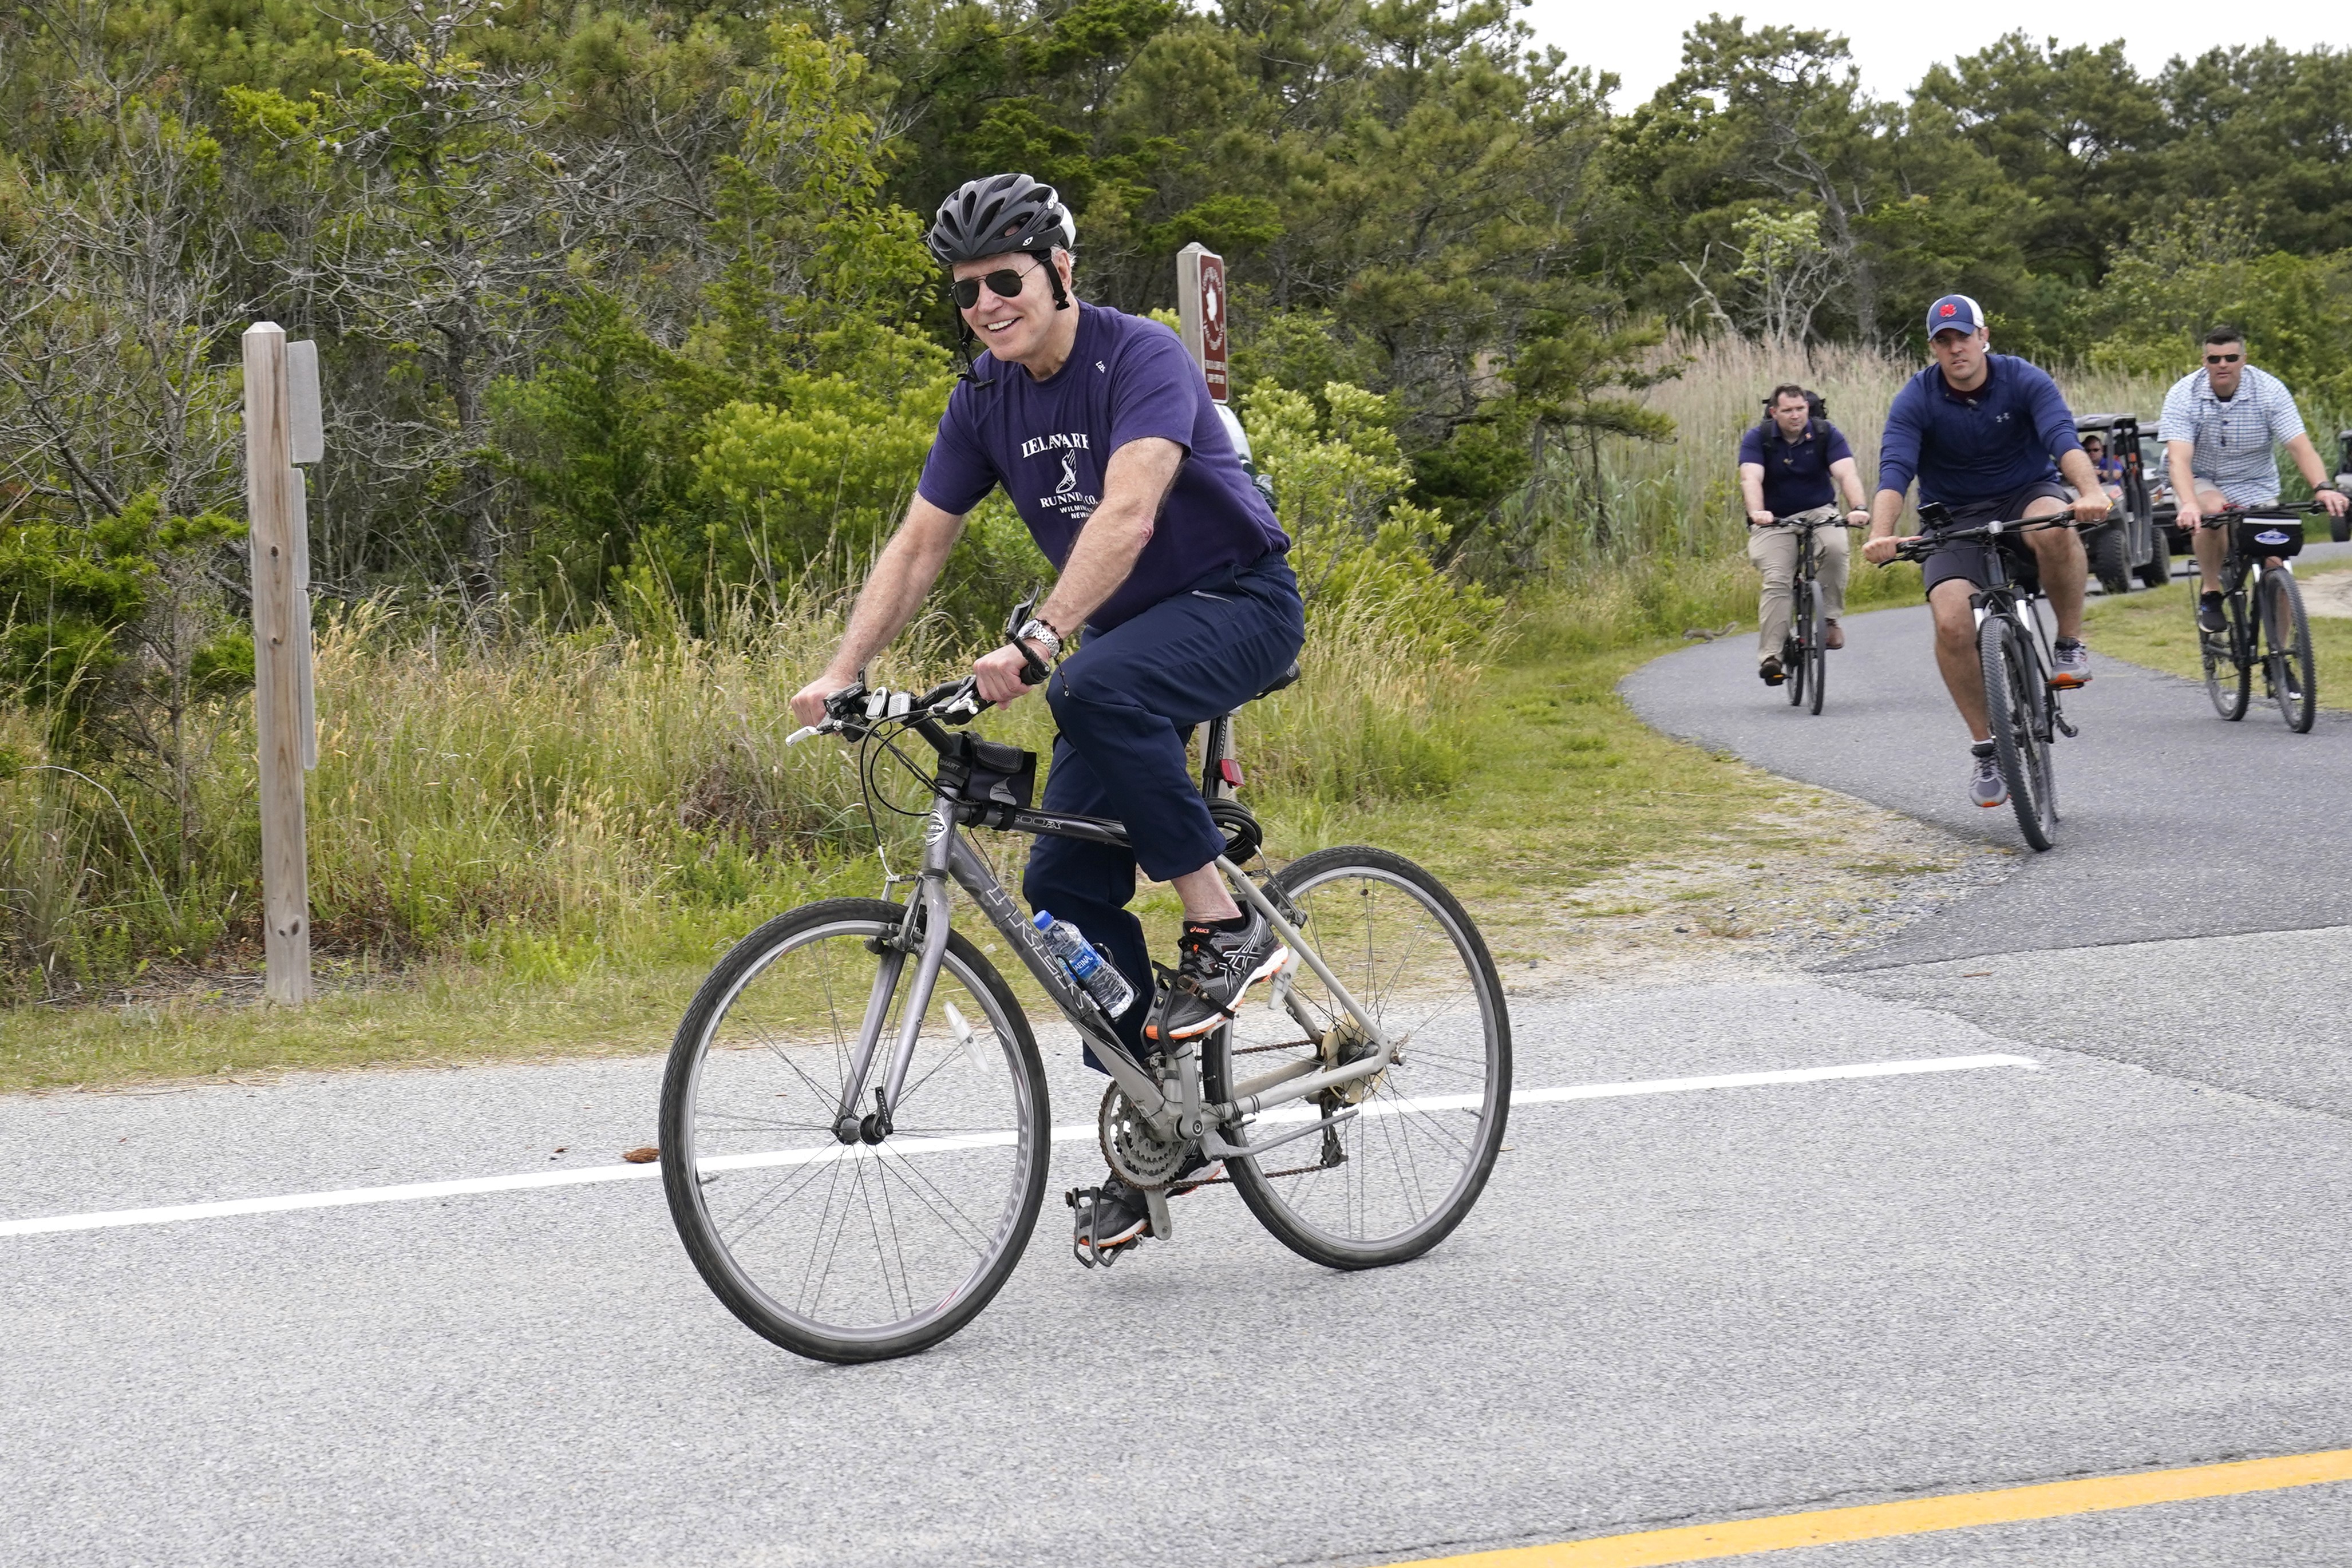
2223,359
1005,281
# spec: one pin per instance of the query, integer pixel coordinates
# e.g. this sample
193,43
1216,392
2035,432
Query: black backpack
1817,416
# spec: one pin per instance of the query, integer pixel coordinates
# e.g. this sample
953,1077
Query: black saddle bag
989,772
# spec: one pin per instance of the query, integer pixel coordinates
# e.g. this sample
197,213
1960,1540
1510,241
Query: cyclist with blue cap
1988,435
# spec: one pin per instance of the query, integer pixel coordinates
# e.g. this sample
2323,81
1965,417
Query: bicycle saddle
1287,677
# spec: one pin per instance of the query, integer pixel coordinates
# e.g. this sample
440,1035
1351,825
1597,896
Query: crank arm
1214,1144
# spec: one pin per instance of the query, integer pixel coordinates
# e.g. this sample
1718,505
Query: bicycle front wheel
857,1251
2019,734
2227,681
2295,682
1396,1180
1817,651
1796,649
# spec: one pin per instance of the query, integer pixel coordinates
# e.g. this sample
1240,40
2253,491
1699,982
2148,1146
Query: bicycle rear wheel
1817,651
2020,732
851,1252
1394,1181
2295,682
2228,679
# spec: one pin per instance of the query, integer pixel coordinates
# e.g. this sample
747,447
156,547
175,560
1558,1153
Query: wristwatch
1035,631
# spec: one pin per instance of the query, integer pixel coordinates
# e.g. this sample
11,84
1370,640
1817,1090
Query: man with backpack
1788,464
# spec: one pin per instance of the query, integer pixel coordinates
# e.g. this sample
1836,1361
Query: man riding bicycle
1101,430
1786,463
1978,430
2221,429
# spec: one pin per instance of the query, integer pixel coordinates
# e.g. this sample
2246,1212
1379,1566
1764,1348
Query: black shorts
1970,560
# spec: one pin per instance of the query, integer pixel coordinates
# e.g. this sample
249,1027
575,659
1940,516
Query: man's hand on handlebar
1858,518
808,703
1761,518
999,671
2332,498
1879,552
2093,508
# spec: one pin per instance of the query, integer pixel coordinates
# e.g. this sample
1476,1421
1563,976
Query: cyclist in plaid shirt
2221,430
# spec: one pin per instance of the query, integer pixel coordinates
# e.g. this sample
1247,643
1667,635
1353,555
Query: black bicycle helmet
998,213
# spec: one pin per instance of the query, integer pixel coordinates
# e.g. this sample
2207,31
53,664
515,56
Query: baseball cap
1955,312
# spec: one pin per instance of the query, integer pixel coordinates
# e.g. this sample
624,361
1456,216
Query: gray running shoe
2070,663
1986,787
2209,618
1110,1219
1213,968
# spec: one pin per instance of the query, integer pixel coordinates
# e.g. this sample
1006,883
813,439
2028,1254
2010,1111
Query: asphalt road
2173,823
1671,1307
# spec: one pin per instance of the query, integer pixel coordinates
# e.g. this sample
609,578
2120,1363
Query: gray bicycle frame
1173,1105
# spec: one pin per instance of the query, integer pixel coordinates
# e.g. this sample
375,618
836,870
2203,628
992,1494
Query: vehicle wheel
2014,710
2341,528
2227,681
851,1252
1396,1180
2157,571
2109,559
2294,681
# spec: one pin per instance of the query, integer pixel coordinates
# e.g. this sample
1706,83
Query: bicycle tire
2229,682
1403,1128
2012,709
2294,678
1817,657
692,1133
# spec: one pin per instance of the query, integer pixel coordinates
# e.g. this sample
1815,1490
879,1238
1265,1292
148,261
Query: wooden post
1201,307
281,648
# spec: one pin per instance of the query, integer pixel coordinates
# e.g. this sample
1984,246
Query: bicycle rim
855,1251
2009,711
1397,1178
2294,681
2228,679
1796,649
1817,666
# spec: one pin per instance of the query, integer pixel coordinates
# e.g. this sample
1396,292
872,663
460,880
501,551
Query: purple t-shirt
1049,442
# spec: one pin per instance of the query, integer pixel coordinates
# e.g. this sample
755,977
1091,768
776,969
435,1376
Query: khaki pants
1774,552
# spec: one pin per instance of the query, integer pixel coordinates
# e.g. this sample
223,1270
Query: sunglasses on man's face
1005,281
2223,359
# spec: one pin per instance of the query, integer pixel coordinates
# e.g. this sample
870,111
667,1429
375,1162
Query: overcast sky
1894,43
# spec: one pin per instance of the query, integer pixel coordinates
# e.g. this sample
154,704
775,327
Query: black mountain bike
1805,652
854,1122
2014,648
2264,606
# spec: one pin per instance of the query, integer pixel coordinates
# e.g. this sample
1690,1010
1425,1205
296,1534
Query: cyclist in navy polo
1988,435
1787,466
1101,430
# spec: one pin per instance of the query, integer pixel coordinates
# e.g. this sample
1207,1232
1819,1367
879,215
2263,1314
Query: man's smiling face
1013,329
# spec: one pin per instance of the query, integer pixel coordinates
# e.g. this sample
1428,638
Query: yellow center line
1919,1516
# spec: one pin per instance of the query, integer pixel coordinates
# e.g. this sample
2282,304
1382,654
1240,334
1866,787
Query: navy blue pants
1125,704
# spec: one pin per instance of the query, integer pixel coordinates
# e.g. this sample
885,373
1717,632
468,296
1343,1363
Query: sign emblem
2270,536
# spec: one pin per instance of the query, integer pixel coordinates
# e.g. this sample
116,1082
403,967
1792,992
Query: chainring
1142,1157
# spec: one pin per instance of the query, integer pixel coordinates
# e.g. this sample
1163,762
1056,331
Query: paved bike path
1670,1307
2173,823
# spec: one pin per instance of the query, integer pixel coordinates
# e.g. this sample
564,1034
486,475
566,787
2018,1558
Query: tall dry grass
540,801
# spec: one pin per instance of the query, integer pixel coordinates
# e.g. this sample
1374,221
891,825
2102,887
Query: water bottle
1097,978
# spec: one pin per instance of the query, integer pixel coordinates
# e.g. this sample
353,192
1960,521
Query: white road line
1071,1133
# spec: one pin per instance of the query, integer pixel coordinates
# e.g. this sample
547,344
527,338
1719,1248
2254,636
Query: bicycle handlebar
852,709
1920,547
2277,510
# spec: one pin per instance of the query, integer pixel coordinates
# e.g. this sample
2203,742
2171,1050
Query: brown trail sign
1201,308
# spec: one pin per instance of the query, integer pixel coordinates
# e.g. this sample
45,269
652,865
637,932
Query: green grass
2154,630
